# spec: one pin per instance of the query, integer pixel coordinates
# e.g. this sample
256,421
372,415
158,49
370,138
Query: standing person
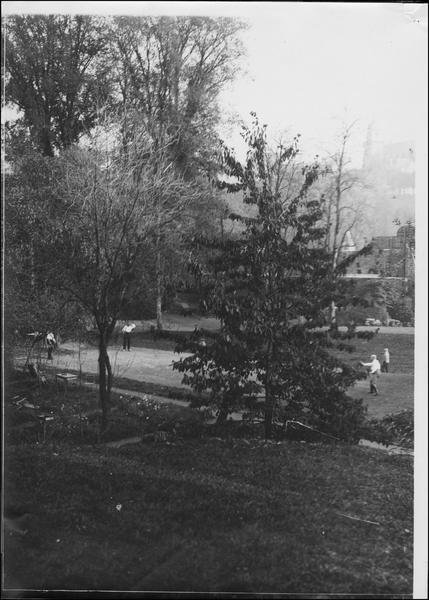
374,372
126,330
50,344
333,325
386,361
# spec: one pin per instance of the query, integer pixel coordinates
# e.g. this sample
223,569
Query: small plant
395,429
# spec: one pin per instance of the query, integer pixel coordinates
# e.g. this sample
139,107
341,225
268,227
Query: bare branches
112,201
172,70
343,210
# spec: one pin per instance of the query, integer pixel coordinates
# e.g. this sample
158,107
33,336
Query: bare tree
112,201
343,212
344,206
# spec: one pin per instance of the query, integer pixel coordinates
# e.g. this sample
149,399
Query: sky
313,67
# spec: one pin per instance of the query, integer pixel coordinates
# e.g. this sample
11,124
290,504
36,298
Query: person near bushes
51,343
374,372
386,361
126,330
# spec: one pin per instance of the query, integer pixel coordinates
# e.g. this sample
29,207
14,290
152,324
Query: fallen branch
312,429
357,519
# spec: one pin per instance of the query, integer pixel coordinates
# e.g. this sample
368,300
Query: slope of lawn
210,515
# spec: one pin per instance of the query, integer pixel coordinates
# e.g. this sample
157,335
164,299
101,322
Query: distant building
391,256
390,169
349,244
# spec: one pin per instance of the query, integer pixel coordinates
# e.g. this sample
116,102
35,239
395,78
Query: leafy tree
268,287
171,240
398,297
402,310
172,69
94,226
56,74
168,73
30,188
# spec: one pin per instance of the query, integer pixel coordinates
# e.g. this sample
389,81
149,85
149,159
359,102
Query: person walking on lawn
126,330
386,361
374,372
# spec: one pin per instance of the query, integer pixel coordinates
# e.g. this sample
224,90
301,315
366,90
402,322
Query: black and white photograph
214,299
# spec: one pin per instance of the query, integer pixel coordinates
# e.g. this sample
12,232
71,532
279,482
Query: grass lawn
401,348
396,393
211,515
396,387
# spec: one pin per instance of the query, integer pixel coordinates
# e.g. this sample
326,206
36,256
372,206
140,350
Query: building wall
391,256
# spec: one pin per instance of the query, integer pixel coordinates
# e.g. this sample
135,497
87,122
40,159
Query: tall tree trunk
159,291
102,389
158,268
32,267
223,412
333,316
105,380
45,142
328,226
338,195
269,413
269,396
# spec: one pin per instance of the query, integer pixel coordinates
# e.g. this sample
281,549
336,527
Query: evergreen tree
268,287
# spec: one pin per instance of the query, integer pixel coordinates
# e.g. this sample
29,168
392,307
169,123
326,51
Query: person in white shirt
126,330
386,361
51,343
374,372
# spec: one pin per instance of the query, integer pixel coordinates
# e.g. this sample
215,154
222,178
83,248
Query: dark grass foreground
210,515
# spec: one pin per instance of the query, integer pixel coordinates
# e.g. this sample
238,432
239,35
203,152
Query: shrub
395,429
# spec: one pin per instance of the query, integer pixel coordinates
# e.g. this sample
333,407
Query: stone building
391,256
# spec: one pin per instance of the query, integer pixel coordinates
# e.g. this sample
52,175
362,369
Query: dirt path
140,364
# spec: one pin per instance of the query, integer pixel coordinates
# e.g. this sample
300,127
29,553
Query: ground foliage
48,412
395,429
210,515
269,287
